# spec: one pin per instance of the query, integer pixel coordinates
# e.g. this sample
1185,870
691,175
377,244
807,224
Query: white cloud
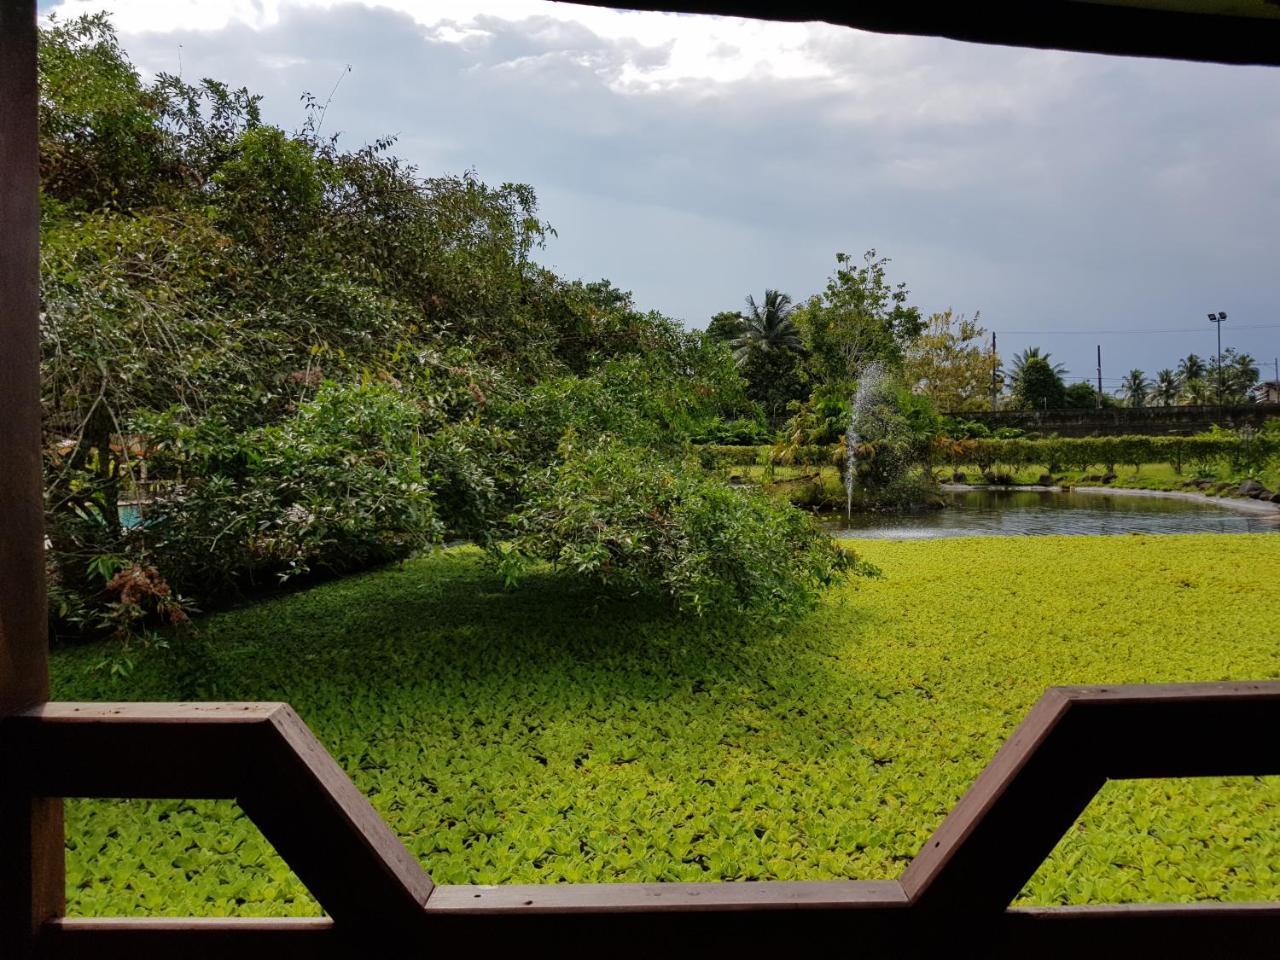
695,159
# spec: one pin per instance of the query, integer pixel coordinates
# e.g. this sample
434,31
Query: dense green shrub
713,455
1240,453
336,487
734,433
646,525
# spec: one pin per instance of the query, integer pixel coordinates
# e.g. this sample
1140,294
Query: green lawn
535,736
797,481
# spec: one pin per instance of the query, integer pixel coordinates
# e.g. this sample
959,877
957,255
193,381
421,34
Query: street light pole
1216,319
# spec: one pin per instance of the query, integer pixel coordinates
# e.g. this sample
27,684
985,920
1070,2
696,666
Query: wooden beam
260,754
31,832
1073,741
952,897
197,938
1052,24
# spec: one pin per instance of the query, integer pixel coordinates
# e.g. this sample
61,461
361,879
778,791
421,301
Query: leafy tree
1238,375
644,524
725,326
1166,389
859,319
1039,385
774,381
1080,396
1135,388
949,363
298,357
767,327
1020,361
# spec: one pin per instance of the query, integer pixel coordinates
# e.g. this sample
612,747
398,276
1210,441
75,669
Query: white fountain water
866,401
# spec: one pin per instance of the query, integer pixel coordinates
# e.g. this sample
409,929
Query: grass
537,736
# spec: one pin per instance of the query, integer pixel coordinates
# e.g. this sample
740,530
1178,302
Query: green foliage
300,359
639,524
725,326
734,433
336,487
860,319
1080,396
1039,386
538,736
1249,453
712,455
951,363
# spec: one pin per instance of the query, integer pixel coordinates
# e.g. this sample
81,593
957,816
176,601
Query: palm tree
1166,389
1020,361
767,327
1241,373
1191,368
1135,387
1196,391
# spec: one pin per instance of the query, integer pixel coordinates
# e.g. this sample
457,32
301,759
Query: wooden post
31,833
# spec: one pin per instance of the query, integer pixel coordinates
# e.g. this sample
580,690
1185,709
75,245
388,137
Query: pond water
1001,513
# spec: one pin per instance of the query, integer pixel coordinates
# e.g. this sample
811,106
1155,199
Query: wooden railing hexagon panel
260,754
957,889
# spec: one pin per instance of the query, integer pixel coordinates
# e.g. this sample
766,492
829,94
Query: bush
336,487
645,525
734,433
1247,453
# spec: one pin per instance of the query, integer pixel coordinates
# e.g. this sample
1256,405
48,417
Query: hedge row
1082,453
713,455
1053,453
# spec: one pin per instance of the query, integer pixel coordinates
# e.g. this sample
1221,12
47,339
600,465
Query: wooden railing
954,896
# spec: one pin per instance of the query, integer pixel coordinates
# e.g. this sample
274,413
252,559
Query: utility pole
1099,397
1216,320
993,371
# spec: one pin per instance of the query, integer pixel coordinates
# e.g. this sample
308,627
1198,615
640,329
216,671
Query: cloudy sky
1073,199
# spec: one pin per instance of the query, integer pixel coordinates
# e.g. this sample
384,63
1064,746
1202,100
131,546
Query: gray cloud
1052,191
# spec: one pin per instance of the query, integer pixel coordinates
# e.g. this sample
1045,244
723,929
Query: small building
1268,391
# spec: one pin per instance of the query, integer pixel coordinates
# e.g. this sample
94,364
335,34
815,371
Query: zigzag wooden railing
953,897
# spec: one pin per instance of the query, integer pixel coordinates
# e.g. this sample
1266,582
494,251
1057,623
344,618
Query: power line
1097,333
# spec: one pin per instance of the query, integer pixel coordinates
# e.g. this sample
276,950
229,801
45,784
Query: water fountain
866,399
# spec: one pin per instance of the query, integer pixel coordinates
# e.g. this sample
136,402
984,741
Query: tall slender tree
1166,389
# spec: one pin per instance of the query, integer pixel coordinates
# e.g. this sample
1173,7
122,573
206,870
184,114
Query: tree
767,327
725,326
1190,368
338,358
1196,391
949,363
1020,361
1239,374
1039,386
774,380
1166,389
1081,396
859,319
1135,388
